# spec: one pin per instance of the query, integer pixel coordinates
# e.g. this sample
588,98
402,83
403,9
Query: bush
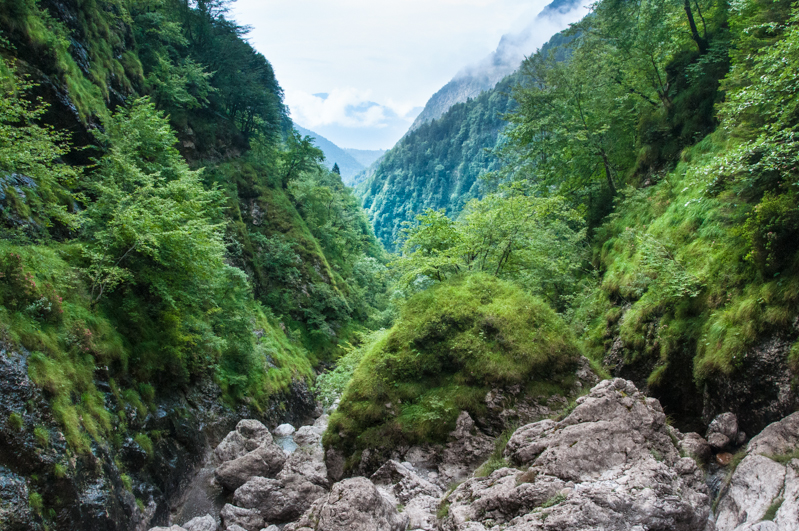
450,346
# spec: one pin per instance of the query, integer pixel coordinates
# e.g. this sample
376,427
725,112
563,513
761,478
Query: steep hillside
348,165
437,165
172,255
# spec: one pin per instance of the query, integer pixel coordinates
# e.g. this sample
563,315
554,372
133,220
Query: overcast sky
359,71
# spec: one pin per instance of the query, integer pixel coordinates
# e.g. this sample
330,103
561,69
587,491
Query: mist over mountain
511,51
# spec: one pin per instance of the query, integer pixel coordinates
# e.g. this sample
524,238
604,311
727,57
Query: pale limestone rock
354,504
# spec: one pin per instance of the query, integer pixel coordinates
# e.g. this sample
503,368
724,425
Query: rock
264,461
404,486
778,438
609,465
284,430
308,436
248,435
271,528
249,519
766,480
278,500
354,504
235,527
201,523
404,482
334,461
723,431
718,441
694,445
309,462
321,422
467,449
173,528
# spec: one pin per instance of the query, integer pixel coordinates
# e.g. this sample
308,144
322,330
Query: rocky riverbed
613,463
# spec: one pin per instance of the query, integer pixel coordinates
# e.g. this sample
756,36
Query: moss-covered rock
450,347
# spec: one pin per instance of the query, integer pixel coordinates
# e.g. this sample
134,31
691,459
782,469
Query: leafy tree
34,182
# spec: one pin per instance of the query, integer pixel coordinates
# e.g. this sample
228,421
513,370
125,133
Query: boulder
248,435
722,432
265,461
278,500
284,430
609,465
334,461
235,527
201,523
694,445
467,449
354,504
765,483
271,528
309,462
399,483
308,436
173,528
249,519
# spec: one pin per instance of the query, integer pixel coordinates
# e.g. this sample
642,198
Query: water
286,443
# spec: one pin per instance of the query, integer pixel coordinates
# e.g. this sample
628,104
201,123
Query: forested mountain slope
164,234
438,165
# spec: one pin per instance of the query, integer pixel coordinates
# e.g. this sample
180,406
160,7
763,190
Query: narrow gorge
567,298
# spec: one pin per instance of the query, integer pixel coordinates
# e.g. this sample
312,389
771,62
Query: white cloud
347,107
396,53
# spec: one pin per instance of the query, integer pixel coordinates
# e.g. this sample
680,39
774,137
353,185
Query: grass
496,460
451,344
785,458
558,498
15,422
771,512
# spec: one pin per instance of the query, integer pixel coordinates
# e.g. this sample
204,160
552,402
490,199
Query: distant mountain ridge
505,60
351,162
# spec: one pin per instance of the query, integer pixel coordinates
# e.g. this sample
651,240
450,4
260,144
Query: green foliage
451,344
36,502
15,422
331,385
42,436
537,242
34,182
497,459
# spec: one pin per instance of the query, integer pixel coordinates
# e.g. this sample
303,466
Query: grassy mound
451,345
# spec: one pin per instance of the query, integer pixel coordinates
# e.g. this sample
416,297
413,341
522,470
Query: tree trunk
698,39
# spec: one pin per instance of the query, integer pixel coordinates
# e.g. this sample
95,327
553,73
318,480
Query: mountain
348,164
438,164
366,157
511,51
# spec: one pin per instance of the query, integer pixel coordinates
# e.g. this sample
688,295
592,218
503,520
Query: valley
566,299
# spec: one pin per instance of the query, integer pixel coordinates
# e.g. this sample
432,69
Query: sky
359,71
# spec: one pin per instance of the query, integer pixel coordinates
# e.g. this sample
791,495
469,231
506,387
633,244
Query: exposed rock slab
354,504
609,465
278,500
766,481
201,523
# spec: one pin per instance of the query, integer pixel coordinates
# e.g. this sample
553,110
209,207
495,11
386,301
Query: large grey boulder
284,430
354,504
402,485
248,435
308,462
265,461
765,481
201,523
249,519
278,500
609,465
